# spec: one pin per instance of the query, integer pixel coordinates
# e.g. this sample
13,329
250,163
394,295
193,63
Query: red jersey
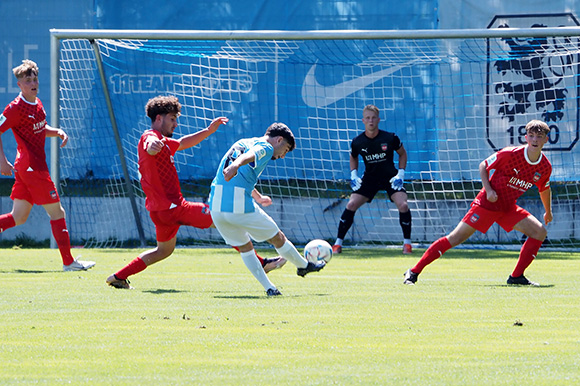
513,175
27,121
158,174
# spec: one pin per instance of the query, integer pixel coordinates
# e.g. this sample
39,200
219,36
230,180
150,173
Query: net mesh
453,102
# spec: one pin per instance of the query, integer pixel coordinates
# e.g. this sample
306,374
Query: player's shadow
521,286
238,297
27,271
162,291
253,297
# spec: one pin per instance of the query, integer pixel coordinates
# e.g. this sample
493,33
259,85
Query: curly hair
161,105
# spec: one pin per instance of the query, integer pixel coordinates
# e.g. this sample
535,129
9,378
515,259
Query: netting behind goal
452,101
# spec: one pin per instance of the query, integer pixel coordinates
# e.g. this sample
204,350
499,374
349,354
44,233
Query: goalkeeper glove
355,181
397,181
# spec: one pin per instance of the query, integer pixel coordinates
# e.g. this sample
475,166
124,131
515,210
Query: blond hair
27,68
373,108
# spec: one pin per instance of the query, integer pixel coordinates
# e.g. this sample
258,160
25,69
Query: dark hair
537,126
278,129
161,105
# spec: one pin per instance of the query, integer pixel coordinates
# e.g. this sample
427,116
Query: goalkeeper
377,148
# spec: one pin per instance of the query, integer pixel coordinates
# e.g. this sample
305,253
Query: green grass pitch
200,318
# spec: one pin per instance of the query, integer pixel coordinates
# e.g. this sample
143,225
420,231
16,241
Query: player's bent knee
404,208
542,233
278,240
539,233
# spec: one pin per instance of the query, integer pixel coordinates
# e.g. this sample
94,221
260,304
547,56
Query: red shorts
167,222
482,219
34,187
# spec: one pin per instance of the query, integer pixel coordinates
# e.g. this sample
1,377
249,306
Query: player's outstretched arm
191,140
546,197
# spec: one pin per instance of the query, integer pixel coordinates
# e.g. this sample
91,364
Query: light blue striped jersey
235,195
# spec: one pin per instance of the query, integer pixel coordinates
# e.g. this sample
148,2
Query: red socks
135,266
438,248
60,233
6,222
435,251
527,255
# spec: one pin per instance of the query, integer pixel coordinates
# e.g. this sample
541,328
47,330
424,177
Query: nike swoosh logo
316,95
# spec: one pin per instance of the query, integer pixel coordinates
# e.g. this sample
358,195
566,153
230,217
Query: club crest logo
474,218
384,146
537,177
533,78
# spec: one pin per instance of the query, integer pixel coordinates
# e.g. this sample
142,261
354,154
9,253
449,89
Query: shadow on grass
456,253
27,271
520,286
253,297
161,291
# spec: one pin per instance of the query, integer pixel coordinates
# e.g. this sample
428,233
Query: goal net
453,97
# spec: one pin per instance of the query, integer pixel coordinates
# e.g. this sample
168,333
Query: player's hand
154,146
548,218
63,136
215,124
355,181
264,201
398,180
491,196
230,172
6,168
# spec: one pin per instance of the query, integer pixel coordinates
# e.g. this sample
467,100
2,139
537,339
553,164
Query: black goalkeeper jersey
377,153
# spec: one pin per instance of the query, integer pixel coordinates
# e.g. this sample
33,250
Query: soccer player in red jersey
515,170
164,200
26,117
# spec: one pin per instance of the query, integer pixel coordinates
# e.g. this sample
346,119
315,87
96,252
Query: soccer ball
317,250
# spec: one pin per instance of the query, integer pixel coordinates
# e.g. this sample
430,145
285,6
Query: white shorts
237,228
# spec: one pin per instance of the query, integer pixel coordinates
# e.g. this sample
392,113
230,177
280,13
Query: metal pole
313,35
54,117
119,143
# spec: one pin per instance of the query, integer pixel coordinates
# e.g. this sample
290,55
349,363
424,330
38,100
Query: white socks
289,252
251,261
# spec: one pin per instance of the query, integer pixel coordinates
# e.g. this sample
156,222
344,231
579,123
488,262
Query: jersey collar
24,99
528,160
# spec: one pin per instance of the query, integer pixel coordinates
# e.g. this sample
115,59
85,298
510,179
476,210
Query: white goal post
453,97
